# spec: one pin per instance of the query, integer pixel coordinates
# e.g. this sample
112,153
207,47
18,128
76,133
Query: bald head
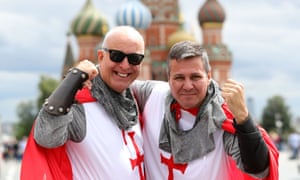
120,34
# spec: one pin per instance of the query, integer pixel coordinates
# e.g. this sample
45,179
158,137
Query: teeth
122,75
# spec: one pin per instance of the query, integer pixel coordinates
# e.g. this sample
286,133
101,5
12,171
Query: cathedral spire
69,58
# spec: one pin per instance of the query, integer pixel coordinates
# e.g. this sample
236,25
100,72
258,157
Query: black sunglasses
118,56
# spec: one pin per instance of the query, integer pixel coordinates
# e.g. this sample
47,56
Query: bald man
101,135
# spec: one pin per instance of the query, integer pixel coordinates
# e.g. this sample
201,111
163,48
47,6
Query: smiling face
119,76
188,81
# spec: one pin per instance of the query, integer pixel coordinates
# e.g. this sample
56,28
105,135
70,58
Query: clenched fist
233,93
88,67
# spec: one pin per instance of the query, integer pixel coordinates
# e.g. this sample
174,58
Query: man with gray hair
192,130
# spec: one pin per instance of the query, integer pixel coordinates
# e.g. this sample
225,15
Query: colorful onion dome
89,21
211,11
134,13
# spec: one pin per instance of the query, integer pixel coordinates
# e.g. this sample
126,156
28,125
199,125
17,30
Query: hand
88,84
233,93
88,67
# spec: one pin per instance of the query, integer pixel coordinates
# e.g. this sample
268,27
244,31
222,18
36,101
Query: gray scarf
195,143
122,107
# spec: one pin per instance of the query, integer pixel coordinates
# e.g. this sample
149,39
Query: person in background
100,137
22,145
277,140
195,130
294,144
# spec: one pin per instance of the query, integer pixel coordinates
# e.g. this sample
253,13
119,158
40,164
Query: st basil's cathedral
161,24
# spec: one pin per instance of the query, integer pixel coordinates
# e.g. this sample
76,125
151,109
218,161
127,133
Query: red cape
237,174
44,163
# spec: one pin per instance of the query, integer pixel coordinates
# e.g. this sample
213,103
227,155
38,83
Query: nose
187,84
125,64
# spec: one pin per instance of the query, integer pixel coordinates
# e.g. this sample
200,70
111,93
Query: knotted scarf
121,106
188,145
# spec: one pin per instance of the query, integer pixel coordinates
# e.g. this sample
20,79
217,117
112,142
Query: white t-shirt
106,152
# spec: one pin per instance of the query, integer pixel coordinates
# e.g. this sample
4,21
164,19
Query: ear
209,75
100,54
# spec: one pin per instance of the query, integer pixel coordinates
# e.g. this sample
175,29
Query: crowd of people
100,120
13,149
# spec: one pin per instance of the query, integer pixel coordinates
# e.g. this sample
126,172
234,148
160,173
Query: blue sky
263,35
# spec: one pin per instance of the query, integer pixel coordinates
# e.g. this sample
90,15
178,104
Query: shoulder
149,84
148,87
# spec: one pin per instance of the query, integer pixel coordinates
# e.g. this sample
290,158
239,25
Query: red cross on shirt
171,166
138,161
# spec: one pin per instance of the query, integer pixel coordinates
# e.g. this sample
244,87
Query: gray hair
187,49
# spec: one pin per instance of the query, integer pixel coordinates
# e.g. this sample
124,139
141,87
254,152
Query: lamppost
278,123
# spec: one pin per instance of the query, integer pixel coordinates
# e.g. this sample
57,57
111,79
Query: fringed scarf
121,106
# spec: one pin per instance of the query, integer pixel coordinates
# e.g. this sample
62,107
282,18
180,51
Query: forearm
253,150
57,120
62,98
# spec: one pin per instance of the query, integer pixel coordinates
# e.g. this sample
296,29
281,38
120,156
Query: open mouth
123,75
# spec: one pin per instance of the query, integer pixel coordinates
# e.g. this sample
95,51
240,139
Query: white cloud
16,87
9,109
264,30
15,31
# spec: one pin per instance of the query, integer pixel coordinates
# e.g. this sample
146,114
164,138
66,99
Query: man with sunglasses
100,137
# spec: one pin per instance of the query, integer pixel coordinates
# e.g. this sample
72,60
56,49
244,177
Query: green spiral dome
89,21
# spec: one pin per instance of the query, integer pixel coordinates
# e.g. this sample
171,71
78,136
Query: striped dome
89,22
211,11
134,13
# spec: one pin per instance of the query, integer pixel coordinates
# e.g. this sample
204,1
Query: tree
46,87
276,115
27,111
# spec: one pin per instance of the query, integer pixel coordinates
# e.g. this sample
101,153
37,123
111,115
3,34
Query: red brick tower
211,18
165,21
